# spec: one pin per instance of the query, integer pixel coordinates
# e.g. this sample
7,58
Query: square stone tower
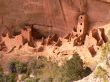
82,25
82,29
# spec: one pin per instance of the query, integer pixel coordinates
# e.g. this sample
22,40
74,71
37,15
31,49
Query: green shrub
86,71
17,67
105,51
10,78
43,69
1,74
12,66
49,79
35,65
101,73
51,71
48,71
73,69
21,67
7,78
28,80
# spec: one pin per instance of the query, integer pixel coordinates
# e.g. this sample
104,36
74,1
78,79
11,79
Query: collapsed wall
79,38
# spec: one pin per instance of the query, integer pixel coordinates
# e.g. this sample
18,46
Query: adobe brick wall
17,41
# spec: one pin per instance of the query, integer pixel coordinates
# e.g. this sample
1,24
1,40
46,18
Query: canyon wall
56,16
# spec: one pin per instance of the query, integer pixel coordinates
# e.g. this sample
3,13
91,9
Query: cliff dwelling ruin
78,37
55,28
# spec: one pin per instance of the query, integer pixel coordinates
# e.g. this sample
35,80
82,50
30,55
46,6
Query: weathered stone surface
99,35
104,37
82,26
95,34
19,40
108,1
79,40
12,42
43,42
67,36
82,29
49,40
92,51
26,33
59,43
55,37
40,49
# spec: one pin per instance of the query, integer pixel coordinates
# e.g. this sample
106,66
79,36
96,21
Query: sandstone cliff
57,16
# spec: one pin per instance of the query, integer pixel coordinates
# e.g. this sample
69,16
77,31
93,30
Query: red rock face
57,16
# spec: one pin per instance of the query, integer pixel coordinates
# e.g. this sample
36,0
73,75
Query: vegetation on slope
42,70
100,71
